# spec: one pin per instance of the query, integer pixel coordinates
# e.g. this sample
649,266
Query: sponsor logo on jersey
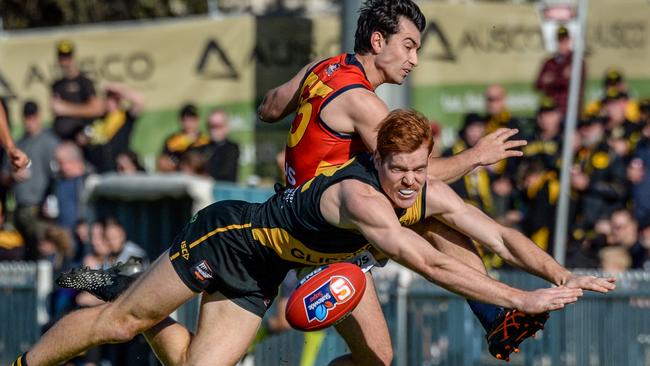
336,290
184,251
332,68
202,271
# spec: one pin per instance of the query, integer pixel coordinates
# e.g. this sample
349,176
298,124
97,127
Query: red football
325,296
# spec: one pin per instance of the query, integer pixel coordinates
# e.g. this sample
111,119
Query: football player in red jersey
336,115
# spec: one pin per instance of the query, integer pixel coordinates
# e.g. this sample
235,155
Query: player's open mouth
407,193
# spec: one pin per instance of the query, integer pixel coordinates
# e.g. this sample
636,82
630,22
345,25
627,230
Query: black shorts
215,251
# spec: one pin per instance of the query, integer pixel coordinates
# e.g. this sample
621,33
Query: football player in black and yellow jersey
237,254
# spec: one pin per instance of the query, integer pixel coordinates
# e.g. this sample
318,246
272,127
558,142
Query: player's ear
377,42
376,159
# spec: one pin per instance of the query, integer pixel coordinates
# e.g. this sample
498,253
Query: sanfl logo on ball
319,302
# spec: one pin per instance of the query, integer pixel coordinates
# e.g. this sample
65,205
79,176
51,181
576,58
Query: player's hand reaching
495,147
591,283
18,159
548,299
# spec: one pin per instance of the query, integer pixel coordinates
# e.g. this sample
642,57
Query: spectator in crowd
221,154
193,163
74,101
614,259
111,135
638,170
541,188
12,245
127,162
498,115
68,185
555,75
597,178
546,141
614,80
474,187
622,134
190,136
120,247
625,233
55,246
29,186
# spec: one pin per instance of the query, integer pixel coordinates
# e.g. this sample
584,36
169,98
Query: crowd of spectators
610,184
90,134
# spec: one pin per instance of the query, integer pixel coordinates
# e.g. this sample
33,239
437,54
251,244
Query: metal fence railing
22,300
429,326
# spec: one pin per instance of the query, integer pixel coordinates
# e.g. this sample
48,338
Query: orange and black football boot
511,328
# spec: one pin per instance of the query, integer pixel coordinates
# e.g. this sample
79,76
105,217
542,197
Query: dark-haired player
336,115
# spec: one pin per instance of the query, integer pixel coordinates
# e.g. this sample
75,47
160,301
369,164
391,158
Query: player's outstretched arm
17,157
281,101
488,150
371,214
509,244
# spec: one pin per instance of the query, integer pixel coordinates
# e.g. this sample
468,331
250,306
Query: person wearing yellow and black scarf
110,135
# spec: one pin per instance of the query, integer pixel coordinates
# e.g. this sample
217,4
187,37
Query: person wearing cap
614,79
189,136
622,134
598,178
30,186
555,75
74,101
545,143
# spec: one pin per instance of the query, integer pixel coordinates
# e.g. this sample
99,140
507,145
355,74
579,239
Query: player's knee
123,326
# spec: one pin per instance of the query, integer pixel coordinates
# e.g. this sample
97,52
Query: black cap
546,104
30,108
189,110
64,48
613,76
562,32
613,94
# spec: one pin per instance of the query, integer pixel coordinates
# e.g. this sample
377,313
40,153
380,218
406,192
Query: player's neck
372,73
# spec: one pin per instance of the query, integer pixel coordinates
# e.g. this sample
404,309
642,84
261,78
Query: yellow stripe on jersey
208,235
293,250
413,214
327,170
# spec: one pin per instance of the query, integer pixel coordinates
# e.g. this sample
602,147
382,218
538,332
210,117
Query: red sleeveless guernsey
311,145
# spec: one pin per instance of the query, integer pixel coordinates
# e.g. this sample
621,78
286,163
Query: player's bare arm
353,204
509,244
17,157
281,101
490,149
357,111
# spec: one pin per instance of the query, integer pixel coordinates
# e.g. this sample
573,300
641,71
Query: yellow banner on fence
484,43
201,60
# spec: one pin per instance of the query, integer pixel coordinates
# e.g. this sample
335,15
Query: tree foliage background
22,14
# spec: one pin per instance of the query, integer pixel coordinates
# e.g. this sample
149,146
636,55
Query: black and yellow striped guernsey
291,223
